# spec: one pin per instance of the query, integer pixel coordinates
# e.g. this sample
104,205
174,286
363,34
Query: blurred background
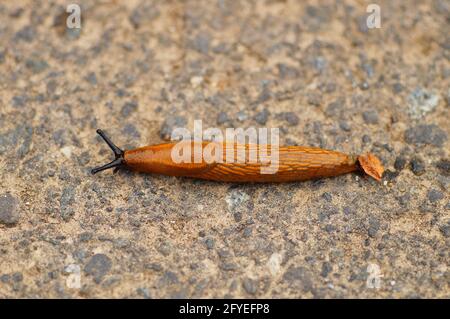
137,69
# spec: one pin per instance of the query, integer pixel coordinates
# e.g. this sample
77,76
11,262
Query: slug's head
118,153
371,165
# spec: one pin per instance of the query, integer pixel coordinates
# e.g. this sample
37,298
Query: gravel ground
139,68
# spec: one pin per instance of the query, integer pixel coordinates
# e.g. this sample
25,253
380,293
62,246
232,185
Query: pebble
26,34
262,117
91,78
444,166
36,65
209,243
290,117
326,269
374,226
17,277
298,277
222,118
366,139
434,195
201,43
66,201
241,116
98,266
9,209
334,108
421,102
249,285
425,134
236,198
370,117
169,124
399,163
131,130
345,126
445,230
417,166
287,72
19,101
128,108
314,99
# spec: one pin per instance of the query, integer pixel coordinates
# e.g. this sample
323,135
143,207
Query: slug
293,163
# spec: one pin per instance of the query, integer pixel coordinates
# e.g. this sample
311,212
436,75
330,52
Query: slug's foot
371,165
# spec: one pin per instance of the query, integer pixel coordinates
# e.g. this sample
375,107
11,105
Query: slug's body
294,163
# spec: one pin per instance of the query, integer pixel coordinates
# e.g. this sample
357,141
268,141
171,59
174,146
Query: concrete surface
139,68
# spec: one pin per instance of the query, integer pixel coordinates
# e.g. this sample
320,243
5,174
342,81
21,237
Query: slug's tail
371,165
118,153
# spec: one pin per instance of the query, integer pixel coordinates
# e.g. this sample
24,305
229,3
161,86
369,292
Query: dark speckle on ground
139,69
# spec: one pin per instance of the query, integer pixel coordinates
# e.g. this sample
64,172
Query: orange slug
293,163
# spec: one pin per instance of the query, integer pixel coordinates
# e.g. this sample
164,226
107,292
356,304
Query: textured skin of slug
295,163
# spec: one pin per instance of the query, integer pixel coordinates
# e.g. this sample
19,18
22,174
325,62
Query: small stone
374,226
421,102
424,134
330,228
298,277
196,81
144,292
17,277
154,266
434,195
399,163
445,230
131,131
444,167
169,278
417,166
262,117
366,139
236,198
209,243
170,124
327,196
229,266
314,99
36,65
222,118
345,126
19,101
27,34
85,237
364,86
128,108
249,285
5,278
397,88
9,210
91,78
287,72
66,201
389,175
241,116
143,13
201,43
334,108
370,117
326,269
98,266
